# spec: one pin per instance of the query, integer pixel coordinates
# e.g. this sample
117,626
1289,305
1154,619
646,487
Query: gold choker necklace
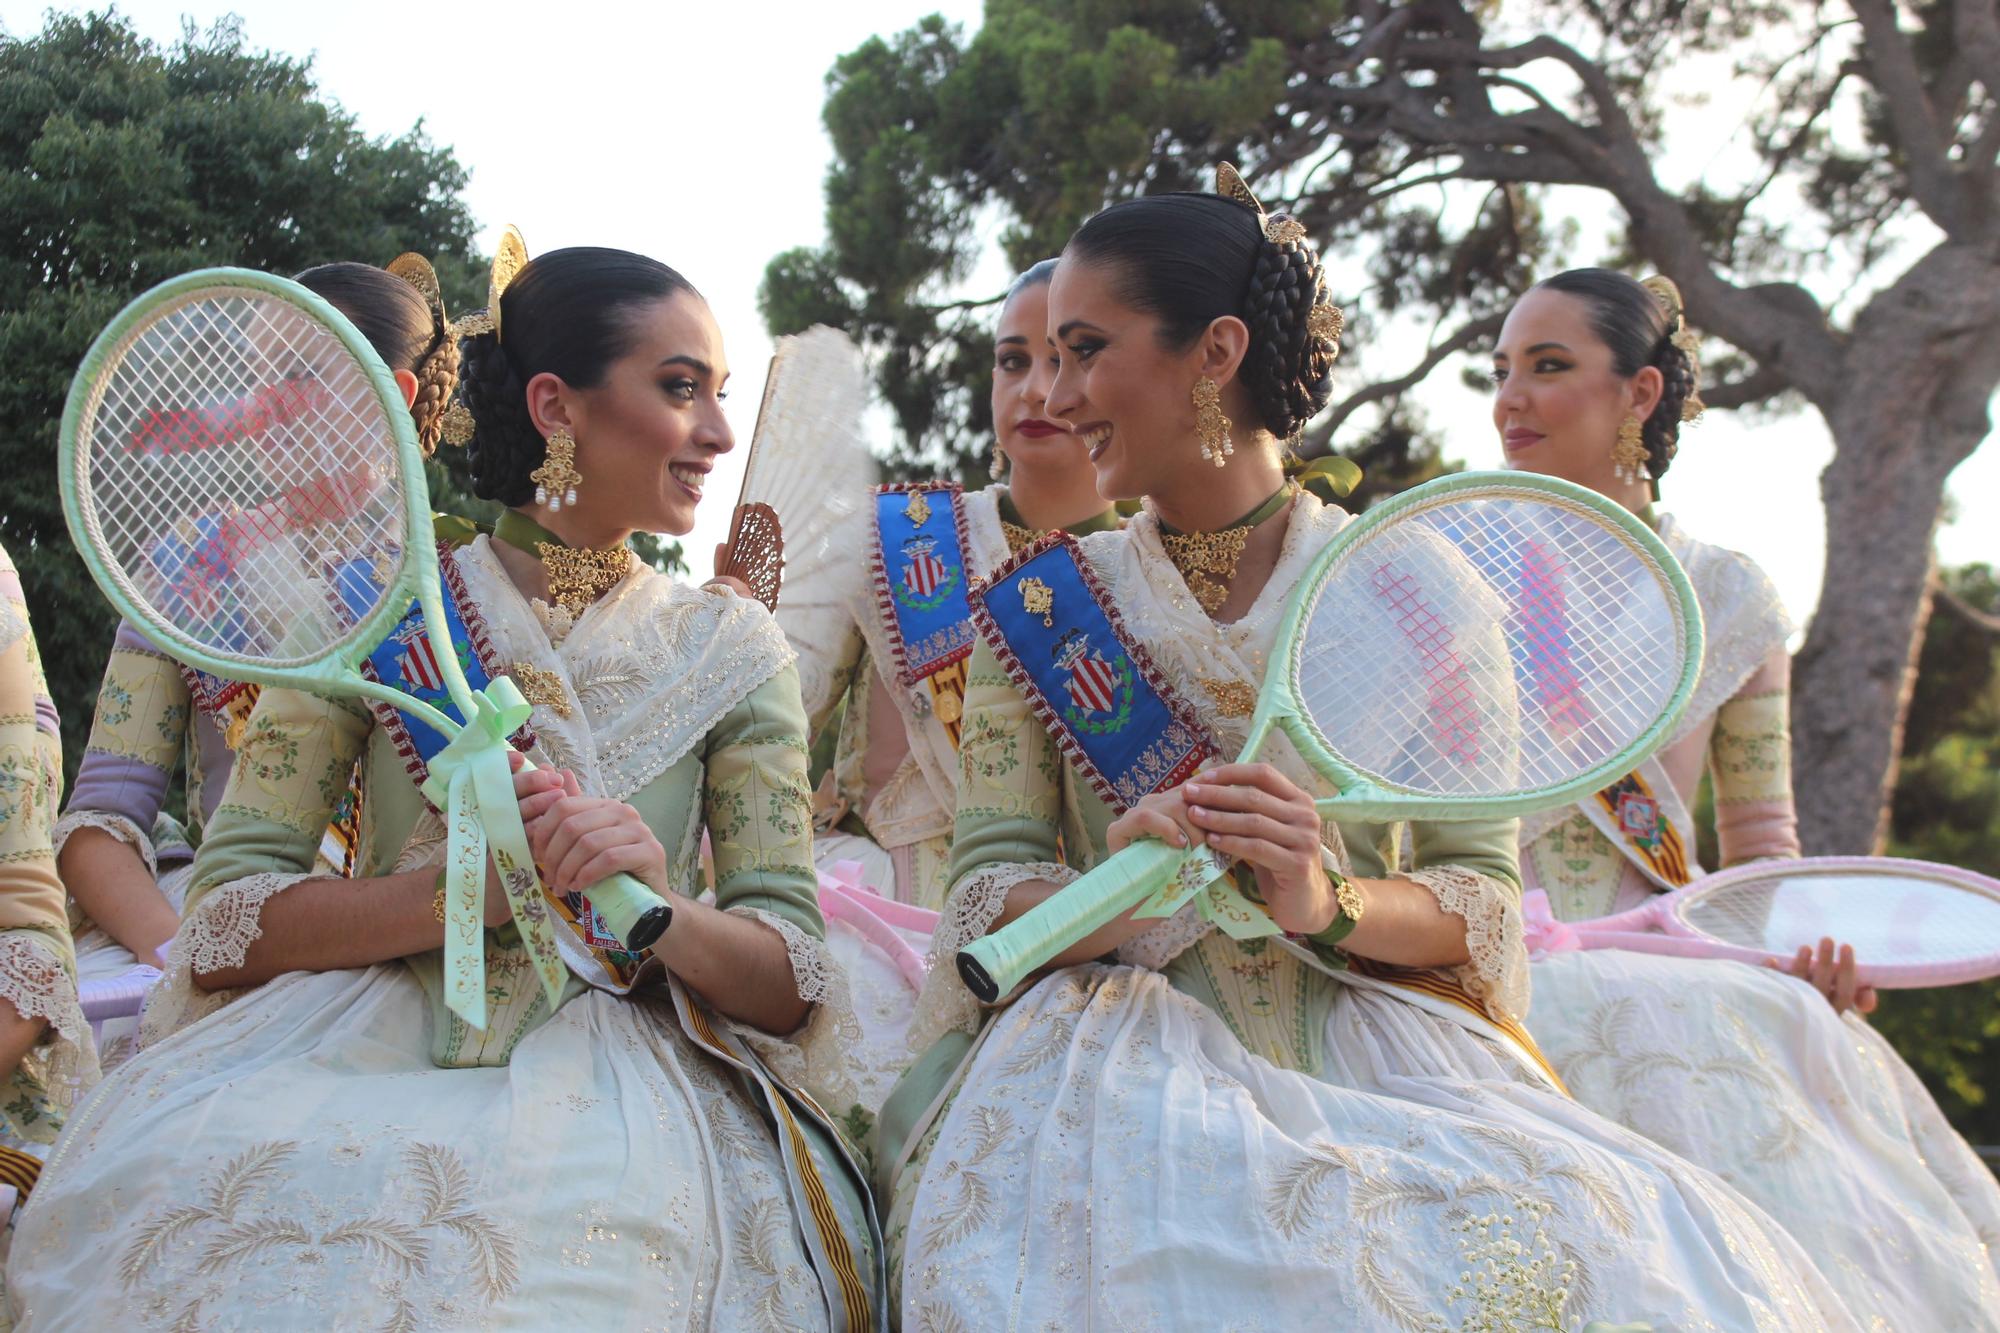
1207,561
576,577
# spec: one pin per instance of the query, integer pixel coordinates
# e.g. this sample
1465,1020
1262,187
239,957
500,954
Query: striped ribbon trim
948,697
19,1169
853,1292
1452,991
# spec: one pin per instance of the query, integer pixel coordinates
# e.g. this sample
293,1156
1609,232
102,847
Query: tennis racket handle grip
993,965
634,912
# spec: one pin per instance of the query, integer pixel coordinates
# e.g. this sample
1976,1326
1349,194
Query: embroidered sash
1637,820
922,579
407,660
1091,685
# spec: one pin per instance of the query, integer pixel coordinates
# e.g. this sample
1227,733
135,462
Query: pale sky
691,133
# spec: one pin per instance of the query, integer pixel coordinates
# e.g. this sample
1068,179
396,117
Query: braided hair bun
1190,259
505,446
404,322
1644,324
568,313
1289,368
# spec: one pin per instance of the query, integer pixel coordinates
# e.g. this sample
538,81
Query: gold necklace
1018,537
576,577
1207,561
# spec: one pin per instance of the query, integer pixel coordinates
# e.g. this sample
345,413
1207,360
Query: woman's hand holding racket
1479,646
1830,970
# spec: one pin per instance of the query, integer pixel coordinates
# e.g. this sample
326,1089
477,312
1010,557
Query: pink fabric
1540,930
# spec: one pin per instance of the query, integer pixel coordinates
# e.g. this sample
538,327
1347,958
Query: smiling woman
330,1068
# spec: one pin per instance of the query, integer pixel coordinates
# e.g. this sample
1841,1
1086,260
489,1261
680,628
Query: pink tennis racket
1912,923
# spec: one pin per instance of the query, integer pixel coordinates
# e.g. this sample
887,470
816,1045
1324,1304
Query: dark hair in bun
569,314
1640,330
1190,259
402,327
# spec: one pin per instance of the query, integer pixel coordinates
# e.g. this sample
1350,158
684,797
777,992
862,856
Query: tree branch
1544,146
1486,326
1759,386
1966,611
1905,101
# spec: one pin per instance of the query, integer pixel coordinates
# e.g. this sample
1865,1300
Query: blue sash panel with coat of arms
1090,683
407,660
921,577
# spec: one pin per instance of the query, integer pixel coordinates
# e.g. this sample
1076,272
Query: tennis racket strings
1487,644
240,481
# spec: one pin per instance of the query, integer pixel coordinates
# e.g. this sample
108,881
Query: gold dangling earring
556,479
998,467
1211,425
1628,456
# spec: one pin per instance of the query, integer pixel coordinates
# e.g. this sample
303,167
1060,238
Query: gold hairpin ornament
510,256
1684,339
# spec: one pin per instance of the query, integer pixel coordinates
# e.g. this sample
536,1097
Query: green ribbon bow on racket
473,783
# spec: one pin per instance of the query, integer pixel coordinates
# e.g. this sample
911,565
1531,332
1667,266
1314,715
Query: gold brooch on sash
1038,599
918,510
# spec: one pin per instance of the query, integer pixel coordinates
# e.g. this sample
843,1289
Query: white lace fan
808,470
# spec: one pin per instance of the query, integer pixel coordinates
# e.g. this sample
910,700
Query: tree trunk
1918,375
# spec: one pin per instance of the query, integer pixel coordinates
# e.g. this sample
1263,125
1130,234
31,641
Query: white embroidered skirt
1813,1116
1116,1159
295,1160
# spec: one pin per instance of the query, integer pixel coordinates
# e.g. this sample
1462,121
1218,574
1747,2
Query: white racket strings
1488,645
240,473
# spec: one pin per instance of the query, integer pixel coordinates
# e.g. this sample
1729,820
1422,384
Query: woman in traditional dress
46,1054
886,803
1772,1081
1341,1126
896,660
320,1131
124,858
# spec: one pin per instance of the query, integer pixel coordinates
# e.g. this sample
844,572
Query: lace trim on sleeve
973,905
35,979
1163,943
217,933
118,826
816,1056
1497,970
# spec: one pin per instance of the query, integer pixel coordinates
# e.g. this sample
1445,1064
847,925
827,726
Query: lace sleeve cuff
37,979
216,933
1496,971
118,826
815,1057
970,909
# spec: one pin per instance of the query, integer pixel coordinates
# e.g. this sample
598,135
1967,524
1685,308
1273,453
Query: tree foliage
1947,808
1446,154
122,163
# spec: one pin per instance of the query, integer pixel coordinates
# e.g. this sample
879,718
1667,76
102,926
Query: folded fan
807,469
1480,646
243,480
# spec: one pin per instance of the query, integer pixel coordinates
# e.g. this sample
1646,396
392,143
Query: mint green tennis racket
241,476
1480,646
